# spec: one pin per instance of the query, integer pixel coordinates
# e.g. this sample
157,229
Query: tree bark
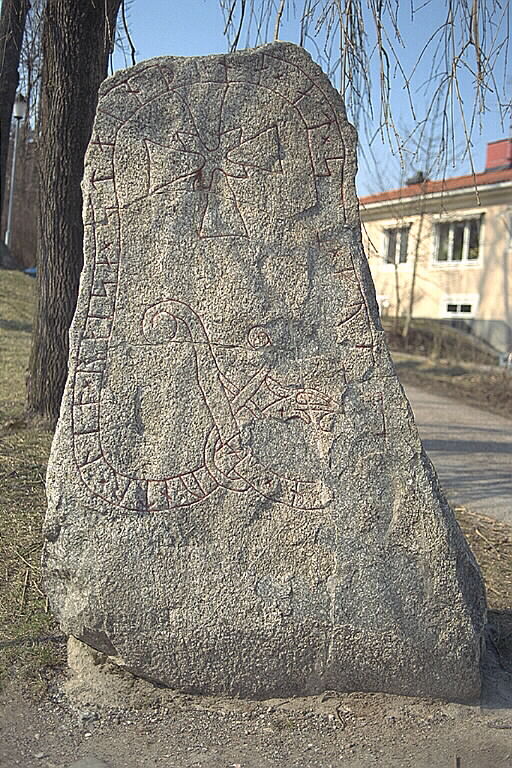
77,38
12,25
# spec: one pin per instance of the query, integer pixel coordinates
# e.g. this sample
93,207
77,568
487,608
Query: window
460,305
457,241
397,241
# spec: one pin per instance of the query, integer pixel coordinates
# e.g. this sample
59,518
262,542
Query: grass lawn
25,623
30,640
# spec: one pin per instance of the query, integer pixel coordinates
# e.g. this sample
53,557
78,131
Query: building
452,241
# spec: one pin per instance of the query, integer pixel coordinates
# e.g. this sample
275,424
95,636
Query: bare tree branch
355,39
278,20
127,32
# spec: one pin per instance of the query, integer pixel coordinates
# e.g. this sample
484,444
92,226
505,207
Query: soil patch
353,731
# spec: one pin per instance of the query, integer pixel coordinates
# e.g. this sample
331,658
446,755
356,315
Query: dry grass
451,363
437,341
491,541
25,622
30,640
485,387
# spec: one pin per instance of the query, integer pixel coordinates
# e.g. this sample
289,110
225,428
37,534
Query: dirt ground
353,731
123,722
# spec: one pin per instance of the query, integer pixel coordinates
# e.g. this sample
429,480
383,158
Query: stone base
96,679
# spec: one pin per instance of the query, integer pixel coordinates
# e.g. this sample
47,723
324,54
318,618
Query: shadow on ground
467,446
497,667
15,325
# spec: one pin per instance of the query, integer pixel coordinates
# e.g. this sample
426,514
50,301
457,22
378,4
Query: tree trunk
396,323
12,24
412,291
77,38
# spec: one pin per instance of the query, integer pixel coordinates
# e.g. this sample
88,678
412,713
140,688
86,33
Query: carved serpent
174,321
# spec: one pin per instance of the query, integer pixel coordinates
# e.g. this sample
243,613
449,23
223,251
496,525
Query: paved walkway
471,451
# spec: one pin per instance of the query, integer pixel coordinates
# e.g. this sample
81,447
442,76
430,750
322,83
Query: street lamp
19,111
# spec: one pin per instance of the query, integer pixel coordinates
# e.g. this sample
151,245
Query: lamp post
19,112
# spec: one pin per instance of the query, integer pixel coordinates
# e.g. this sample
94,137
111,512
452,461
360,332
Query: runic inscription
211,168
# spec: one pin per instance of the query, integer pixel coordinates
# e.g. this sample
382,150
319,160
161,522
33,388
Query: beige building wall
485,284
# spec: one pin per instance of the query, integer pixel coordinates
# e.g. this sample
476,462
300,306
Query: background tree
31,62
12,24
429,169
77,39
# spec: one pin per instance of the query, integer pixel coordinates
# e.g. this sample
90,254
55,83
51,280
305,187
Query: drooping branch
356,40
127,33
278,20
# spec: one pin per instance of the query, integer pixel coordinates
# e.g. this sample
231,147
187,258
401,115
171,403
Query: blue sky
195,27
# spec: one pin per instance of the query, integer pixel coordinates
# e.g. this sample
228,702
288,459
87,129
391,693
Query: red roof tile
446,185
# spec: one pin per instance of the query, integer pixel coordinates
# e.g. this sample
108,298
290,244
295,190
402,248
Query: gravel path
471,450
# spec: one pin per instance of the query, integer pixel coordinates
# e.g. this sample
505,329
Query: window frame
452,222
460,299
398,245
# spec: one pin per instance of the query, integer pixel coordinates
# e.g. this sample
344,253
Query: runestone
239,502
